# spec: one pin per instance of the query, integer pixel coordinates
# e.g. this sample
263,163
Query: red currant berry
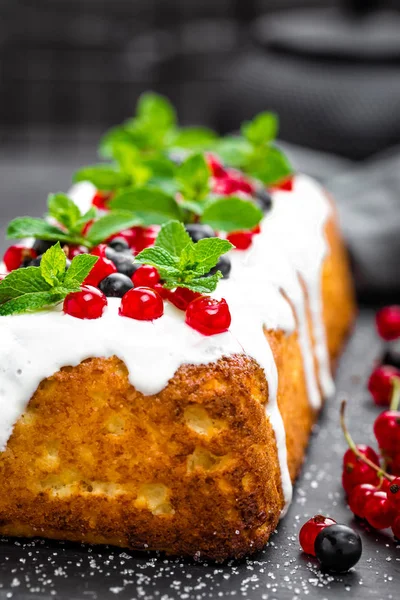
384,485
101,199
89,303
358,497
215,166
240,239
143,304
286,185
208,315
146,276
144,238
182,297
394,464
393,494
351,458
102,269
388,322
87,226
355,474
256,230
310,530
378,511
15,256
76,250
161,290
129,235
380,384
387,431
396,527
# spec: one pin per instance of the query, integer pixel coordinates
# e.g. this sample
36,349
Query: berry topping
216,166
208,315
100,200
350,458
263,198
143,304
41,246
224,265
232,183
88,303
387,431
240,239
388,322
102,269
380,384
116,285
123,260
16,255
37,261
393,494
311,529
378,511
358,497
119,244
286,185
146,276
129,235
182,297
197,231
338,548
396,527
76,250
144,237
357,473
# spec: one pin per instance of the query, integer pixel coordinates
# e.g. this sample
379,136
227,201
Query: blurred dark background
331,69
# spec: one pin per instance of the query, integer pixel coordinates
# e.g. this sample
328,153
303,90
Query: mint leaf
173,238
111,223
90,215
262,129
203,285
31,302
63,210
233,150
114,136
193,176
231,214
270,166
156,110
151,206
103,177
165,263
80,268
206,253
193,138
21,281
23,227
53,265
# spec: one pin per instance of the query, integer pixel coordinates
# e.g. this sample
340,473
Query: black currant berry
41,246
264,199
224,265
119,244
124,261
115,285
338,548
197,231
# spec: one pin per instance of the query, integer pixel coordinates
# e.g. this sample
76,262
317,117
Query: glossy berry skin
102,269
143,304
351,458
232,183
394,464
198,231
338,548
378,511
387,322
146,276
224,265
116,285
208,315
41,246
264,199
380,384
393,494
128,235
16,255
89,303
124,261
310,530
76,251
215,166
240,239
144,237
355,474
358,497
119,244
286,185
100,200
387,431
396,528
181,297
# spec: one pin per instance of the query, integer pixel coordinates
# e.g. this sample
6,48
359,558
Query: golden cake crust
192,470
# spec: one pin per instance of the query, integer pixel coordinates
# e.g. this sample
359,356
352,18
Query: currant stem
395,400
353,446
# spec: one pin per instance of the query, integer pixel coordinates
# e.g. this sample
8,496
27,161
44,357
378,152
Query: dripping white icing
291,243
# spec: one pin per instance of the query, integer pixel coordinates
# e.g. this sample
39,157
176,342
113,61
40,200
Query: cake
148,434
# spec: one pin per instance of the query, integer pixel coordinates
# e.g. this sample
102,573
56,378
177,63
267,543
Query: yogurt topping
291,244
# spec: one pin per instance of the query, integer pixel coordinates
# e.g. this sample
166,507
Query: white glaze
291,243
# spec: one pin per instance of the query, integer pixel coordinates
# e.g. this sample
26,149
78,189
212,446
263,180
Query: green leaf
23,227
114,136
194,207
233,150
262,129
151,206
231,214
194,175
173,238
90,215
270,167
19,282
53,265
31,302
193,138
157,110
63,210
207,252
111,223
203,285
103,177
159,257
80,268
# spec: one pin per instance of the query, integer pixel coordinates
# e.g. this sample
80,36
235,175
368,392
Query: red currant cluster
370,480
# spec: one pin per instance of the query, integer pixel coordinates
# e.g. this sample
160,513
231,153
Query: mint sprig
71,224
230,213
35,288
151,206
183,263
